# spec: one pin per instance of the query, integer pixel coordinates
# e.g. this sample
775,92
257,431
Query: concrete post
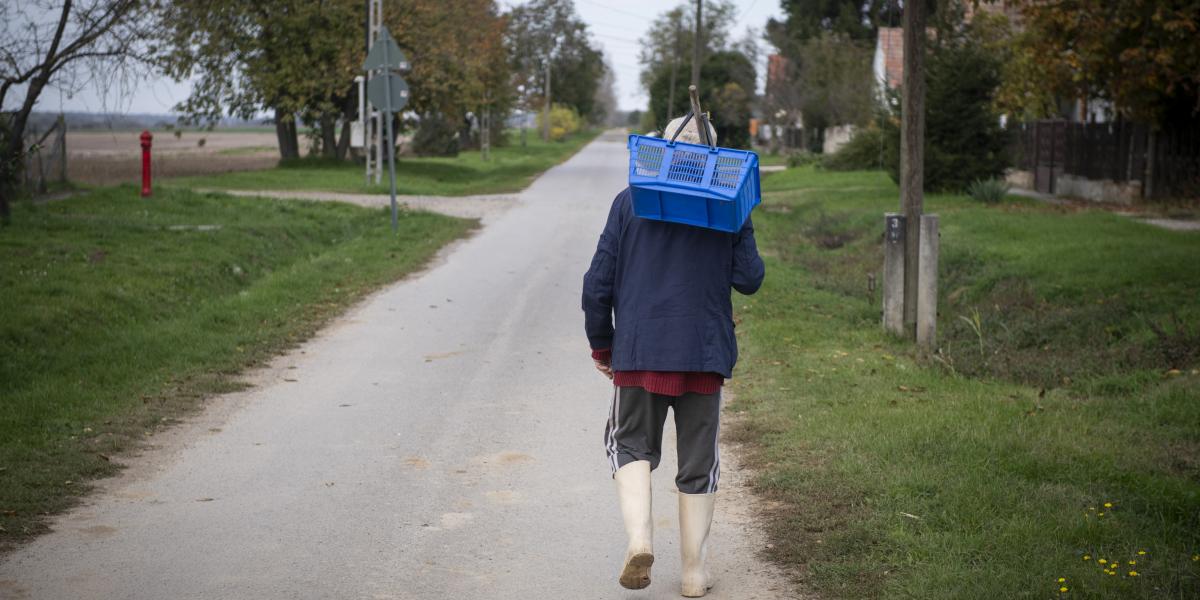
927,283
893,273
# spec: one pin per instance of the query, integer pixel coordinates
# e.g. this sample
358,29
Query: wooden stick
701,118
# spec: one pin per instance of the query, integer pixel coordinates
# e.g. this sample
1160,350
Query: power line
617,37
592,23
746,10
617,10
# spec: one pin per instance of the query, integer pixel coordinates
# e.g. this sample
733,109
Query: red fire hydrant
146,139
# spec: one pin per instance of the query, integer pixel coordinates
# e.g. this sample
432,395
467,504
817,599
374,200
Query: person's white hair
690,134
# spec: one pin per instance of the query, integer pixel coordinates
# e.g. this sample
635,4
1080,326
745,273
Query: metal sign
385,54
385,99
389,93
895,227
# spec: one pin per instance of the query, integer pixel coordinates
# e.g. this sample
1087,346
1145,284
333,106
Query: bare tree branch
93,38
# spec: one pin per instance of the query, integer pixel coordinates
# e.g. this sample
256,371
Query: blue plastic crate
692,184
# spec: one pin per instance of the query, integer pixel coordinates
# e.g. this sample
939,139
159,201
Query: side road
487,208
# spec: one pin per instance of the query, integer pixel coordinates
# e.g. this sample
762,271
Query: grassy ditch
1059,424
121,313
511,168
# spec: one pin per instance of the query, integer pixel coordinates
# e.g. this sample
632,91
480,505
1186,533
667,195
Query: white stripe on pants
634,432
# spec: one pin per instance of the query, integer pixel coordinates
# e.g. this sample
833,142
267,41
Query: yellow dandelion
1062,589
1133,562
1103,561
1133,573
1099,514
1108,505
1112,572
1141,552
1062,579
1087,557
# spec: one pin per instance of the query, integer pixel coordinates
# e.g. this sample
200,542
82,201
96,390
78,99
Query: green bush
861,153
802,158
436,136
563,121
988,191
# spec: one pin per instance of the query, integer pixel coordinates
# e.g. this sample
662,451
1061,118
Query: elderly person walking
673,346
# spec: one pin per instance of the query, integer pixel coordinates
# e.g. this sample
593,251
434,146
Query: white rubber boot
695,517
633,492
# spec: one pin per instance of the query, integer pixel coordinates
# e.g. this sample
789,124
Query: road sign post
389,93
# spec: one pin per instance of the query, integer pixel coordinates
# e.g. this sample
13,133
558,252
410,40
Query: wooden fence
1163,164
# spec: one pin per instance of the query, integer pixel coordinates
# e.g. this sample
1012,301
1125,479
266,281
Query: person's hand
604,368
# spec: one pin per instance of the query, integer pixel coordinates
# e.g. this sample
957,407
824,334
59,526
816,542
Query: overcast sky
616,25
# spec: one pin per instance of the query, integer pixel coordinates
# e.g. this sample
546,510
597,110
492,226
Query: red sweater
667,383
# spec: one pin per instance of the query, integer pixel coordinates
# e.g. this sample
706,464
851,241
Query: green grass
510,169
767,160
973,474
246,150
122,313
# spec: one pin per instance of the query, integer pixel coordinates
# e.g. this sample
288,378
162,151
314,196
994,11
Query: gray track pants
635,426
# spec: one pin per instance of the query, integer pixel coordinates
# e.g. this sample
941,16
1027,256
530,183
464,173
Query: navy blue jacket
668,285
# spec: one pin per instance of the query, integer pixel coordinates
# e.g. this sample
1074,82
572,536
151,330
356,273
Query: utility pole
697,44
674,70
365,117
912,153
546,108
374,120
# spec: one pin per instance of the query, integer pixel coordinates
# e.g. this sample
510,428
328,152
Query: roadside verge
124,314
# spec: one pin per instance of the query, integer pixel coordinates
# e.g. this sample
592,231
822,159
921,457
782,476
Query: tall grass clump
988,191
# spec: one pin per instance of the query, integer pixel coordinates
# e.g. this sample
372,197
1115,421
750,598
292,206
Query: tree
668,44
291,57
806,19
727,76
1024,93
1141,55
963,137
548,33
298,58
826,75
458,57
48,44
835,85
726,91
604,106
